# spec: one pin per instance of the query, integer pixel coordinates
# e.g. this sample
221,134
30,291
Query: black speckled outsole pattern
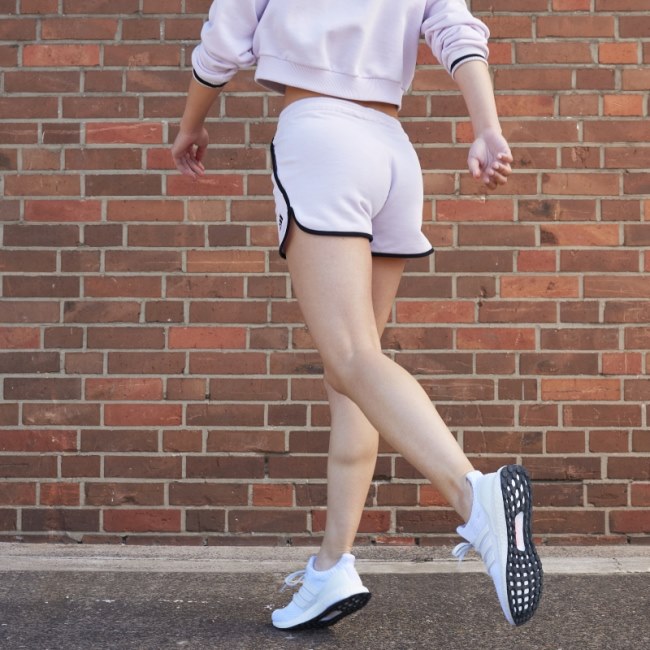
334,613
524,575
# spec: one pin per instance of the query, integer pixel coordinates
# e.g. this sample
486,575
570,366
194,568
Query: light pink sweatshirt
354,49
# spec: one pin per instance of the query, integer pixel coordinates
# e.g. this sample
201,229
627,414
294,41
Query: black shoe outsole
523,568
345,607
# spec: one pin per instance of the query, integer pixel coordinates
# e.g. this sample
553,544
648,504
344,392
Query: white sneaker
324,597
499,529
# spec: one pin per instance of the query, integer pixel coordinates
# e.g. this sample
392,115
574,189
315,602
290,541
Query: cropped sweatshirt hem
275,74
365,50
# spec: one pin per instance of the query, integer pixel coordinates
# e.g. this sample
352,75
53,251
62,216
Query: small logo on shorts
280,220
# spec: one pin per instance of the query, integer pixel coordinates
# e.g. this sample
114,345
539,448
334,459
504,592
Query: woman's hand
188,151
489,159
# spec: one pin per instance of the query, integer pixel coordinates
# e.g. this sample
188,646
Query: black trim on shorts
291,215
404,255
206,83
476,56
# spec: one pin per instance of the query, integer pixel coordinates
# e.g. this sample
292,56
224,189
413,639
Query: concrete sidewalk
122,597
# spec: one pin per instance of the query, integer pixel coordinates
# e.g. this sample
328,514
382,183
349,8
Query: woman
348,192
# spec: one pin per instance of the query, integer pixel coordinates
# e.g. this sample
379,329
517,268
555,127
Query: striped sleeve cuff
464,59
203,82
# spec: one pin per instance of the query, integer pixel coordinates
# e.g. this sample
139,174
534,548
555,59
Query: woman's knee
342,368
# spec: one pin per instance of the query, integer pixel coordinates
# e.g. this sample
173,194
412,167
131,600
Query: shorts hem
323,233
403,255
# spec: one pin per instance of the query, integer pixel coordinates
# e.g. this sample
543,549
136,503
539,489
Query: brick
640,494
580,389
618,53
42,185
125,338
205,520
80,466
622,363
531,261
611,287
208,494
605,414
123,185
628,467
62,211
272,495
601,184
517,312
267,521
580,312
65,414
565,363
71,7
623,105
9,414
583,261
142,467
16,493
630,521
121,493
8,519
123,287
37,440
60,55
532,286
29,362
19,338
47,286
143,415
557,210
608,441
59,494
63,337
564,52
558,495
496,338
18,388
565,442
565,26
579,339
22,466
225,467
177,441
60,519
119,440
208,185
559,521
141,521
18,107
245,441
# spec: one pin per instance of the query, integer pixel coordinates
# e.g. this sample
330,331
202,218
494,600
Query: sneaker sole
523,571
334,613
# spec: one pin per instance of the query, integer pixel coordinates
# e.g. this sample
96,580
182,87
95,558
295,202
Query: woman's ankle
326,560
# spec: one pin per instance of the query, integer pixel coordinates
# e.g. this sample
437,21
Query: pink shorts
340,168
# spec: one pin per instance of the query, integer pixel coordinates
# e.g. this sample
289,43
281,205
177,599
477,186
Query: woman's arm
192,139
489,157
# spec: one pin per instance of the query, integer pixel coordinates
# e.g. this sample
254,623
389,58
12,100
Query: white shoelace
461,550
294,579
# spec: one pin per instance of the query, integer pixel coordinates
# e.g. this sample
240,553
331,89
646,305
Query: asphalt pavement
56,597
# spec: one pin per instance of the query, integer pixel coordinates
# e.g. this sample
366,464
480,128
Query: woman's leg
353,440
332,279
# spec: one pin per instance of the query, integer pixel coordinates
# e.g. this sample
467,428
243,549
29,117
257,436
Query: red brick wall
157,382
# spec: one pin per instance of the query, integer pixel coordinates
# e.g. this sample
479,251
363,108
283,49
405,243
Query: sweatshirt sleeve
227,40
453,34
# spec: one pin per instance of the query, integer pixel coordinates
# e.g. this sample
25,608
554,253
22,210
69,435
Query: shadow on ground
123,611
